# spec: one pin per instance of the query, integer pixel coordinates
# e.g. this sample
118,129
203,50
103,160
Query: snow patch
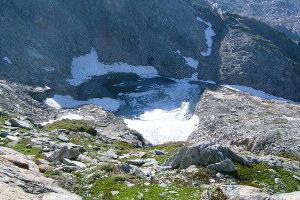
7,60
208,81
85,67
255,92
49,69
189,61
59,102
209,33
70,116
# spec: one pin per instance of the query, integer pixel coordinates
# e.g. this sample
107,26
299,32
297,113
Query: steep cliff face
256,55
42,37
281,14
39,40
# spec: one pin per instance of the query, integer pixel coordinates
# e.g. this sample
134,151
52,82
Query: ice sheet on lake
168,114
59,102
209,33
84,67
255,92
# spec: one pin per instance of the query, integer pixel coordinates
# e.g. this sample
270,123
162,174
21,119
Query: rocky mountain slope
56,56
282,15
39,40
248,122
71,156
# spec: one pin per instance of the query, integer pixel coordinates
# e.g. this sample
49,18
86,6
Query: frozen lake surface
161,109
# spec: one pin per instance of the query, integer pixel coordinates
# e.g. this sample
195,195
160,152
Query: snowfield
59,102
85,67
255,92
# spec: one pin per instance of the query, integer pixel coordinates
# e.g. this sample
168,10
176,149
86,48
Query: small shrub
119,178
107,168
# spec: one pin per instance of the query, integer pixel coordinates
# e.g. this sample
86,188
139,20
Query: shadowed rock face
283,15
50,34
40,38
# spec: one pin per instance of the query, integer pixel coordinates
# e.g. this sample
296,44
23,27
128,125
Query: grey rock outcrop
205,154
251,193
286,196
247,122
239,192
223,166
136,162
108,127
21,122
77,164
67,150
22,182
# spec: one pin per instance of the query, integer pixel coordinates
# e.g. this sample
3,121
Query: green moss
290,155
86,142
119,178
22,148
170,149
265,177
72,125
204,174
122,147
103,189
39,156
107,168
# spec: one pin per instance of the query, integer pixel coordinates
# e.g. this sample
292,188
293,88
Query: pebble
296,177
159,152
163,194
96,148
279,182
114,193
63,138
162,185
128,184
13,138
136,162
219,175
